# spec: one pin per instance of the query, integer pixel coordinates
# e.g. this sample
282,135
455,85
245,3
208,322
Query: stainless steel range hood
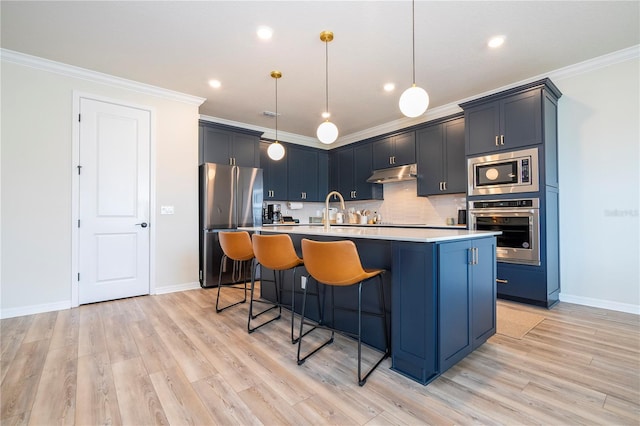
394,174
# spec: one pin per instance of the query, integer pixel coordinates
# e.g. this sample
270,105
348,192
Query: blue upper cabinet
274,175
228,145
440,155
350,167
308,173
507,120
396,150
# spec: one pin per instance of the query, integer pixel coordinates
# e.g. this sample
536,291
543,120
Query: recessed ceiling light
264,33
389,87
496,41
215,84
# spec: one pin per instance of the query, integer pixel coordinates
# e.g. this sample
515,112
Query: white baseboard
177,287
34,309
599,303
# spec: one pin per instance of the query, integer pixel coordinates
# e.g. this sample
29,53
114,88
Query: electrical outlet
166,209
303,282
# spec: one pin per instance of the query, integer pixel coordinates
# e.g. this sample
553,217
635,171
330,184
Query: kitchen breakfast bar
440,290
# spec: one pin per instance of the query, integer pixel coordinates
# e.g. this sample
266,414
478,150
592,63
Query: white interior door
114,190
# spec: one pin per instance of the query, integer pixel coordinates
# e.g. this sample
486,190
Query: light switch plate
166,209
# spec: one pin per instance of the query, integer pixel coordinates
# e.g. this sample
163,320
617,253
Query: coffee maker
271,214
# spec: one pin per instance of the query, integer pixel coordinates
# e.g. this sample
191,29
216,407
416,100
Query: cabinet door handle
444,185
499,281
496,140
390,160
473,252
501,139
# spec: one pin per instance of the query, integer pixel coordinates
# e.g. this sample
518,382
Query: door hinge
78,276
79,118
78,223
79,168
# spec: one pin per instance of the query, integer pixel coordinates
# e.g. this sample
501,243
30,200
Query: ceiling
181,45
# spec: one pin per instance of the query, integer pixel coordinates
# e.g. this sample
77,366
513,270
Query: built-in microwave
503,173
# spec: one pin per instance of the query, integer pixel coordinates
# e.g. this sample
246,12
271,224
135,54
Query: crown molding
94,76
268,133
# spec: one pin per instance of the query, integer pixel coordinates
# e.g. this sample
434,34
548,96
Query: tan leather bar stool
237,247
337,264
275,252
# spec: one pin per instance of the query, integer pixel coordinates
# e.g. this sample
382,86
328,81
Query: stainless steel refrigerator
230,197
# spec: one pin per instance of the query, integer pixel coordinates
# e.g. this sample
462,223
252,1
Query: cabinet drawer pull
499,281
444,186
496,140
501,139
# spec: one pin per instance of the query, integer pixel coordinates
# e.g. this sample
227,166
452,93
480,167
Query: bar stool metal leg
234,285
277,305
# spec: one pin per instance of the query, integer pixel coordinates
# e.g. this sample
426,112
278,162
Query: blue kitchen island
440,291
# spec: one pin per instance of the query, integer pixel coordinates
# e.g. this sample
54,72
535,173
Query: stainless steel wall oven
519,221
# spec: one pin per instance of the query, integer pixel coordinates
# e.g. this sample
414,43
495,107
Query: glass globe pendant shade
414,101
275,151
327,132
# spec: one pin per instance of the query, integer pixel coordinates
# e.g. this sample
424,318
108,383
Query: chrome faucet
327,223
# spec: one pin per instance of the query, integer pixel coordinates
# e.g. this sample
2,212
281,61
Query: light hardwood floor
170,359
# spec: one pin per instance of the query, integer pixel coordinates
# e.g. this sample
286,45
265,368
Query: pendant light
276,150
327,131
415,100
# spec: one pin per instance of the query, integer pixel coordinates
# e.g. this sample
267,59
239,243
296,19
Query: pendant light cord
276,109
326,74
413,37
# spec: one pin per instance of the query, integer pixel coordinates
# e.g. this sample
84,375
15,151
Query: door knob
142,225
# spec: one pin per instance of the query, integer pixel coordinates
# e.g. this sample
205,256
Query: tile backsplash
400,206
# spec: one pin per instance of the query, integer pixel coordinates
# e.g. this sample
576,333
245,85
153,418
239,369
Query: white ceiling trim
18,58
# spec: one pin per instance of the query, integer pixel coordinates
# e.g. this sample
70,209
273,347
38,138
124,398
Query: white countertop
424,235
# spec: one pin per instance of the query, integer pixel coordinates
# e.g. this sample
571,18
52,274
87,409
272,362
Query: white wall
599,163
36,183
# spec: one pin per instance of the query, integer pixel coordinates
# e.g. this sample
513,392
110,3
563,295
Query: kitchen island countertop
395,233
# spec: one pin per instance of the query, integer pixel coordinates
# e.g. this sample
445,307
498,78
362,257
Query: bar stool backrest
275,251
334,262
236,245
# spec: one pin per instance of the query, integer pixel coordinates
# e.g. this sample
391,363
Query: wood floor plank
42,327
179,400
186,354
223,403
137,399
91,337
197,326
59,378
12,333
66,329
155,354
170,359
22,378
270,408
120,343
97,401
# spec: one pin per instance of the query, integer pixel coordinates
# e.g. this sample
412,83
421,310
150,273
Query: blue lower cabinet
444,297
414,311
524,283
